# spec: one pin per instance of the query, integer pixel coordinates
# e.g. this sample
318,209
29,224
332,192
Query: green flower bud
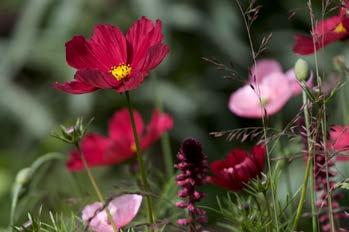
24,176
301,70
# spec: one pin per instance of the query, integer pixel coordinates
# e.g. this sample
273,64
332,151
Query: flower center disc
340,28
121,71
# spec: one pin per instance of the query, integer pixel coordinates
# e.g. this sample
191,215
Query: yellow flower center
121,71
340,28
133,148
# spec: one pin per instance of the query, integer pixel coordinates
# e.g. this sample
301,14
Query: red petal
141,36
303,45
153,58
107,48
93,148
258,154
159,124
76,86
120,128
97,79
235,157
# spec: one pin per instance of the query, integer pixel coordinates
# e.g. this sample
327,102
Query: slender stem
140,161
263,116
308,169
323,119
269,210
96,188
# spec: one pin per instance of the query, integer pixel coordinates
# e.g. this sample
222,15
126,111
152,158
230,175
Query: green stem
140,162
96,188
269,210
309,166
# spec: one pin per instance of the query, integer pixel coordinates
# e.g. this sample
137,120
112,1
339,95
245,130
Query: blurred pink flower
267,85
339,141
123,209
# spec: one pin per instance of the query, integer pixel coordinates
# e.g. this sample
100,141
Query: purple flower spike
193,167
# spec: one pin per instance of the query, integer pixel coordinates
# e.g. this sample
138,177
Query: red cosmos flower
339,141
325,32
110,60
238,168
119,145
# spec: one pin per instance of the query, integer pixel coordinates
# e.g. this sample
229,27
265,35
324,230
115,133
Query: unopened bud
301,69
24,176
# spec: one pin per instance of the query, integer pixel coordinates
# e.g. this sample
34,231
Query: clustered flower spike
193,167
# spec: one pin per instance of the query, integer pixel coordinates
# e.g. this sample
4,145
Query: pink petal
74,87
263,68
125,208
153,57
159,124
245,101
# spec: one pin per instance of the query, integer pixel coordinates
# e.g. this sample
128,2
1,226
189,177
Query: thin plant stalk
263,117
309,168
96,188
323,119
143,172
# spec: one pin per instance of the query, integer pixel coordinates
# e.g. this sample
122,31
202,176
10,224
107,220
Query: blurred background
192,90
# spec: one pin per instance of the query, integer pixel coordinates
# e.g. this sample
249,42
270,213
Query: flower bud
24,176
301,70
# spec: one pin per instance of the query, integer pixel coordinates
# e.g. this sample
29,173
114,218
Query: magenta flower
268,88
326,31
238,168
112,60
119,145
123,209
339,141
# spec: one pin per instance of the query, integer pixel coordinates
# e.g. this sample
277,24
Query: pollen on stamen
340,28
121,71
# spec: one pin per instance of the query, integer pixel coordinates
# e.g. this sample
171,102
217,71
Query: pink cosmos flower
325,32
339,141
111,60
119,146
267,85
123,209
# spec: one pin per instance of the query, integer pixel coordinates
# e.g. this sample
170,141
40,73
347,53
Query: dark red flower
238,168
119,146
325,32
110,60
339,141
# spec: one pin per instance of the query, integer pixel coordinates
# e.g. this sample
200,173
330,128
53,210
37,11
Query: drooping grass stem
96,188
140,161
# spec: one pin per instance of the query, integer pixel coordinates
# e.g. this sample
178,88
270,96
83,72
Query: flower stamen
340,28
121,71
